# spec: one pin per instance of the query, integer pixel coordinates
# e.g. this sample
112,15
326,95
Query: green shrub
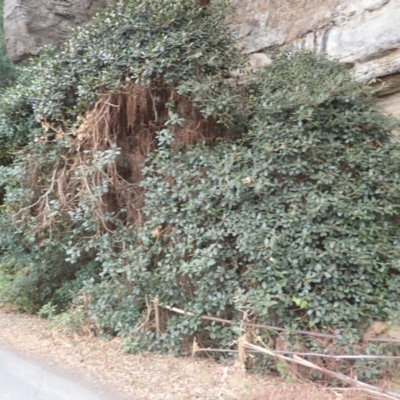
82,119
328,172
296,222
148,174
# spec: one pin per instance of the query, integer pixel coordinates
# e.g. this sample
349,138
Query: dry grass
148,376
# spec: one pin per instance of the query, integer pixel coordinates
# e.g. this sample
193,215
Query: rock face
364,34
31,24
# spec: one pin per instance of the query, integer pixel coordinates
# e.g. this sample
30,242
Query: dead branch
300,361
271,327
336,357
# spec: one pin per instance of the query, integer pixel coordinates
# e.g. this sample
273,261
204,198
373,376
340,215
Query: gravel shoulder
97,363
100,362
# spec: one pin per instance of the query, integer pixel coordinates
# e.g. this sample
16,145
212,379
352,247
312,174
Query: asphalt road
25,379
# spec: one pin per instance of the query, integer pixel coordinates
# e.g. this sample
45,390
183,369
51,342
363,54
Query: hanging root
127,121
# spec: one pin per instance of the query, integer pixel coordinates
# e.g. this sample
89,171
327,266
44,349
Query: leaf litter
148,376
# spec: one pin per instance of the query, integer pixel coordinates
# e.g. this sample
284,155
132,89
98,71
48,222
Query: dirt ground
148,376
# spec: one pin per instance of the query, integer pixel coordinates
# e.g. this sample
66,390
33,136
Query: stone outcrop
363,34
31,24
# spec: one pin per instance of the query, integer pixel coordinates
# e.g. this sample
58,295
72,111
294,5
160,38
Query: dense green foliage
176,58
276,200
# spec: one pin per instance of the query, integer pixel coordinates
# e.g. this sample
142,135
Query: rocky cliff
364,34
31,24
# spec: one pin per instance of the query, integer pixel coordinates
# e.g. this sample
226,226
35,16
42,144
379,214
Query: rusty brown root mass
128,120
